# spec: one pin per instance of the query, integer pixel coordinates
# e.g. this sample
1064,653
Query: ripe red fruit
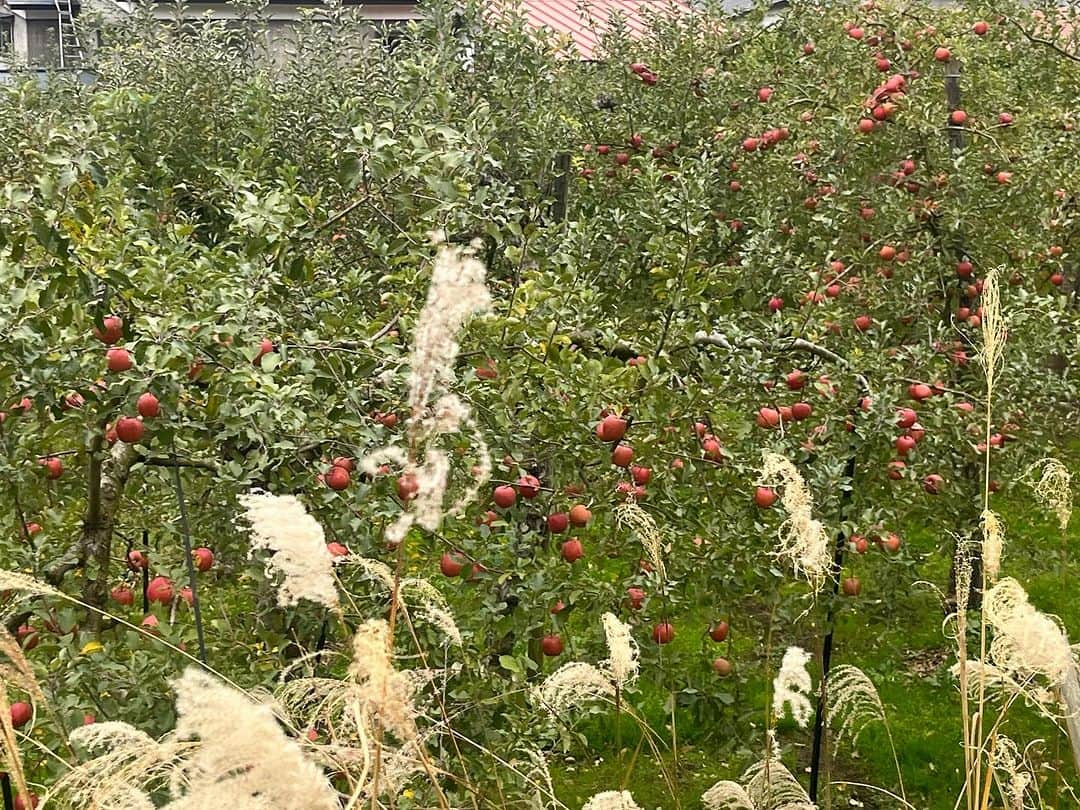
851,586
980,28
636,596
504,496
580,515
764,497
451,565
160,590
764,94
29,803
150,622
117,360
663,633
266,346
1057,279
776,304
558,522
768,417
896,469
129,429
113,331
137,560
572,550
621,158
1003,178
528,486
887,253
957,118
21,712
933,483
863,323
855,32
27,637
920,391
891,543
148,406
905,444
750,144
337,478
808,48
719,631
796,379
31,529
800,411
552,646
203,558
89,719
641,475
906,417
388,420
335,550
859,544
622,455
611,428
964,269
942,54
1005,119
866,125
917,432
722,667
54,467
558,608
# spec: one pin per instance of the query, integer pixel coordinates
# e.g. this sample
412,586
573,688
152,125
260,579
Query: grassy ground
895,636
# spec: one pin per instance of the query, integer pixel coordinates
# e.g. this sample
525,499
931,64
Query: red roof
585,21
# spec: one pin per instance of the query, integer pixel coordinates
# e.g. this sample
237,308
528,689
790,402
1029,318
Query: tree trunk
108,476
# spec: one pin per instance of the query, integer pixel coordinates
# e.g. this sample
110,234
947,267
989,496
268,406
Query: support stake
187,555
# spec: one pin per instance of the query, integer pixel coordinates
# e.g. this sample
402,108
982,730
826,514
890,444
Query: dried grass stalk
804,541
612,800
727,796
1052,488
792,686
1026,642
641,523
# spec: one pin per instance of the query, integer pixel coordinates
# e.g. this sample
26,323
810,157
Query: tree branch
1049,43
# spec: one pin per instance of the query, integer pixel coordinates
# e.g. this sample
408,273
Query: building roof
585,21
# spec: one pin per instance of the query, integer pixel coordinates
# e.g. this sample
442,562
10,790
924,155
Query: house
45,33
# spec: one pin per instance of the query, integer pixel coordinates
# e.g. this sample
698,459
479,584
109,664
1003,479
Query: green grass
893,632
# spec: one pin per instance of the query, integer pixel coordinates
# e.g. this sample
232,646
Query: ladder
71,50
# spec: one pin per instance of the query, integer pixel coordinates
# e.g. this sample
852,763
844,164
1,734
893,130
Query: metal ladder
71,50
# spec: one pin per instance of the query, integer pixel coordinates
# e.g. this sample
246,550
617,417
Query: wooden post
952,98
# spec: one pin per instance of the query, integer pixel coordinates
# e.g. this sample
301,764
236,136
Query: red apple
117,360
266,346
160,590
958,118
148,406
27,637
54,467
896,469
768,417
764,94
611,428
203,558
558,522
137,560
113,331
887,253
933,483
796,379
21,712
552,646
851,586
942,54
663,633
337,478
337,549
504,496
920,391
29,803
863,323
528,486
859,544
891,543
580,515
572,550
980,28
764,497
906,417
636,596
776,303
129,429
722,667
800,411
905,444
622,455
641,475
719,631
451,565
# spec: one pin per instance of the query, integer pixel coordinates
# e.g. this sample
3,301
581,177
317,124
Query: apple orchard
718,242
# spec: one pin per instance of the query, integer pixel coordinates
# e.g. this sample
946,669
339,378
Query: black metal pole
187,554
826,650
5,786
